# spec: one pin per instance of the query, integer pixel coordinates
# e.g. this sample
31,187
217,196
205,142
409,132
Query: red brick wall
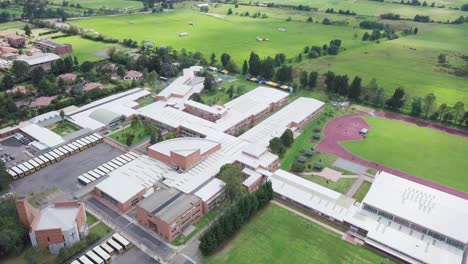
52,236
24,212
62,50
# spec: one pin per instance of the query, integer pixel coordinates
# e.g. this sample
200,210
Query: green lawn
199,225
219,95
362,191
341,186
63,128
85,49
279,236
109,4
90,219
210,33
146,101
100,230
139,133
427,153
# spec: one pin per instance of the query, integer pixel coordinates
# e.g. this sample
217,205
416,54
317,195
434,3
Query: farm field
374,8
276,235
210,33
410,62
86,50
109,4
423,152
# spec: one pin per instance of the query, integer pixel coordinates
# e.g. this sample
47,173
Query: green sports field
109,4
84,49
424,152
279,236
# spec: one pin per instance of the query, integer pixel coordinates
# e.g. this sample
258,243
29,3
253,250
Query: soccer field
279,236
424,152
85,49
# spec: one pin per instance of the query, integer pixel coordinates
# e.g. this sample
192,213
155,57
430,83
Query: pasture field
424,152
374,8
233,34
109,4
410,62
276,235
85,49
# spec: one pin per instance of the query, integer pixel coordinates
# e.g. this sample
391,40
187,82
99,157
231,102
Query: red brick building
15,41
47,45
59,225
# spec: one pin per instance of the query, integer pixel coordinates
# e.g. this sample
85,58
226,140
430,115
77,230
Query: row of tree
234,217
278,145
341,12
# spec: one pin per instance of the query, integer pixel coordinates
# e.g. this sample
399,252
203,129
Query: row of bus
106,168
102,254
270,83
214,69
55,155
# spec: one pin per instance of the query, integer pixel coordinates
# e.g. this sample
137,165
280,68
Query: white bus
55,155
108,167
29,166
133,154
107,248
129,156
95,138
64,151
45,159
116,246
93,257
75,262
113,165
50,157
99,172
83,143
40,162
18,171
101,253
83,180
34,164
121,240
86,175
88,143
77,146
103,169
95,175
121,160
85,260
125,158
116,162
13,174
92,140
24,169
98,137
70,149
60,153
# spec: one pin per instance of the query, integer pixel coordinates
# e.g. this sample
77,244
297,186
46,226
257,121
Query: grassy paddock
276,235
424,152
63,128
85,49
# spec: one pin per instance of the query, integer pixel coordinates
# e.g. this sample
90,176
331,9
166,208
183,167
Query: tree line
234,217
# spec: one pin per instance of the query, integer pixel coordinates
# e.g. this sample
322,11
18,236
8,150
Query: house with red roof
42,101
133,75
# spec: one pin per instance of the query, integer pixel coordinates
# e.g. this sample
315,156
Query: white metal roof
183,87
210,189
436,210
40,58
184,146
57,217
43,135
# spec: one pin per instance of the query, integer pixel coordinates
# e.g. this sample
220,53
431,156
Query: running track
347,128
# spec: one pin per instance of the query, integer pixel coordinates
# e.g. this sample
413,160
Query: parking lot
11,147
63,174
134,255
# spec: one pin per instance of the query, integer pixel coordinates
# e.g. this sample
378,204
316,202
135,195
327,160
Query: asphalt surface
133,255
63,174
15,149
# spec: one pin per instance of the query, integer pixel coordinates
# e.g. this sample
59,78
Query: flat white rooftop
57,217
433,209
43,135
184,146
210,189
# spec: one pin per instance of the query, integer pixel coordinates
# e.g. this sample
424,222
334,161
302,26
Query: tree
297,167
312,82
428,104
37,74
5,178
27,30
303,79
416,106
136,123
276,146
230,91
330,82
213,59
326,21
267,68
121,71
366,36
129,139
12,232
153,138
310,20
86,66
62,115
196,97
20,70
229,12
254,64
464,7
397,100
458,111
231,175
355,89
75,61
209,83
284,74
287,138
8,81
442,58
415,31
225,58
245,68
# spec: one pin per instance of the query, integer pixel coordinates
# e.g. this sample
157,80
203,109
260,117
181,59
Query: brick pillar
24,212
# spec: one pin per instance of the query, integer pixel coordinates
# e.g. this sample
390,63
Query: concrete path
353,189
309,218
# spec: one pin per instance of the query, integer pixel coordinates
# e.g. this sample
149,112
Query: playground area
342,138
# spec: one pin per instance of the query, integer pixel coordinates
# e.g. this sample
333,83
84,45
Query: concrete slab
350,166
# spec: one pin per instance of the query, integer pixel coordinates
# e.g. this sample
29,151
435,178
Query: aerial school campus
227,132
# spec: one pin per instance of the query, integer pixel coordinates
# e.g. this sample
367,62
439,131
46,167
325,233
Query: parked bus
125,158
50,157
101,253
95,175
19,172
13,174
40,162
75,262
87,142
103,169
24,169
83,180
99,137
45,159
92,140
86,175
64,151
121,160
94,258
54,155
75,148
108,167
116,246
121,240
116,162
60,153
95,138
113,165
34,164
70,149
29,166
130,156
85,260
99,172
78,145
107,248
133,154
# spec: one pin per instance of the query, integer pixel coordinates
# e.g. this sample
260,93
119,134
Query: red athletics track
347,128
